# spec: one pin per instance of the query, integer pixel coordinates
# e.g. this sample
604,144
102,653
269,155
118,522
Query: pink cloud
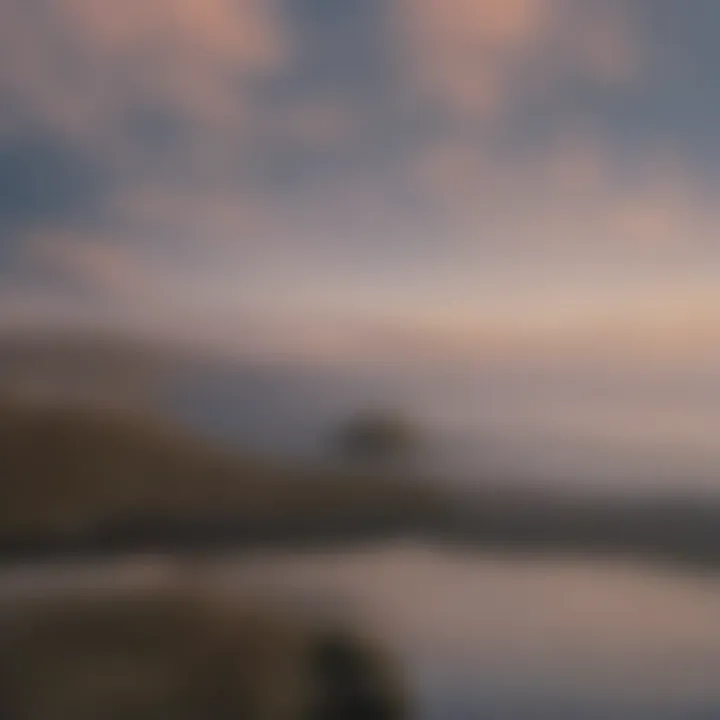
462,52
477,56
605,43
244,32
88,61
109,269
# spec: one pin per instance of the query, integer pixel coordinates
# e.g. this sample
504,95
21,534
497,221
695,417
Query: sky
509,189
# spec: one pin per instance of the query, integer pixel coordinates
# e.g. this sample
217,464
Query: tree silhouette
375,437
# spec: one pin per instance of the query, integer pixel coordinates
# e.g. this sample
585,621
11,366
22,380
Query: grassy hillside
78,481
70,471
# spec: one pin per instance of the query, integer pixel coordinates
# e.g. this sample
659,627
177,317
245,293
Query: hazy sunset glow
500,188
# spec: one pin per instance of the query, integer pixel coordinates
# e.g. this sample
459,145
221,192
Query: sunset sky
478,185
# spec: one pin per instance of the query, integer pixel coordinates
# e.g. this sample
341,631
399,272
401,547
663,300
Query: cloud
101,266
462,52
606,42
83,66
241,33
478,57
463,161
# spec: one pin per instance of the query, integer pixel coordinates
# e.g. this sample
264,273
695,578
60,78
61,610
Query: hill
77,478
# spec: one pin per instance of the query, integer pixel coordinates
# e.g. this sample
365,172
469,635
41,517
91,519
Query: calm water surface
484,637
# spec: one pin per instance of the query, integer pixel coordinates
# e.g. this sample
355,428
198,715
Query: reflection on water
484,637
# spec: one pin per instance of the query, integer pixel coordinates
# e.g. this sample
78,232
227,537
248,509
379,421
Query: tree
376,437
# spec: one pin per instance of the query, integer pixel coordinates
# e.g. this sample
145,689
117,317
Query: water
545,427
484,637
